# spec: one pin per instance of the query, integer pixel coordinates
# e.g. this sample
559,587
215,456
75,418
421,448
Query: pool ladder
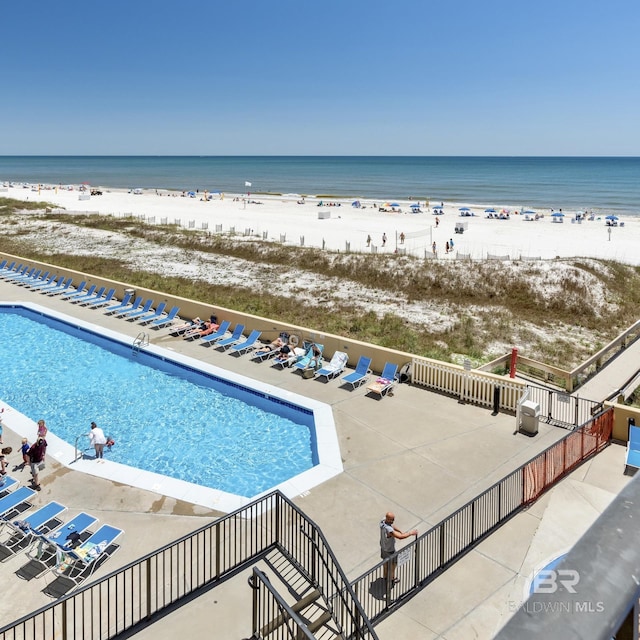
80,451
142,340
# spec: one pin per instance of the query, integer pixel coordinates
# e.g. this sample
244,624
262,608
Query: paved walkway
617,372
419,454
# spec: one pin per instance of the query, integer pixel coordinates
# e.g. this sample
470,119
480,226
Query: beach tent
356,204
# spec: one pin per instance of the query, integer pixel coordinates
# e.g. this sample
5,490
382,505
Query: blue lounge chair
123,308
48,282
246,345
12,273
7,268
235,337
78,291
161,322
80,563
7,483
100,303
632,458
48,286
334,368
265,353
385,382
61,288
119,305
309,360
16,502
125,305
33,276
84,300
44,552
80,295
219,334
3,264
25,274
40,278
154,315
22,532
137,312
361,373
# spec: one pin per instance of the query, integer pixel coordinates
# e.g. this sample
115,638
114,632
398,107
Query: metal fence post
148,563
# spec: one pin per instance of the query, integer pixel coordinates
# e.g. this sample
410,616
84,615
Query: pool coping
327,445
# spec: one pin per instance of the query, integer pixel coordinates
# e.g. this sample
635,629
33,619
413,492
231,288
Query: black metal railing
134,593
561,409
434,551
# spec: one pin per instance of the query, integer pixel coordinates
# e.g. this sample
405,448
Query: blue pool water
165,417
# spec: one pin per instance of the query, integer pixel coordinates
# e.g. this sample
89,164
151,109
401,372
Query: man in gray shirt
389,533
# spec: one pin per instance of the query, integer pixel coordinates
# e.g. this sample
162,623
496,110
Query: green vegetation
558,318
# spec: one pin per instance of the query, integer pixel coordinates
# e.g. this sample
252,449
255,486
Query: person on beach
437,221
98,440
389,533
36,454
384,239
402,237
368,241
433,247
446,247
451,244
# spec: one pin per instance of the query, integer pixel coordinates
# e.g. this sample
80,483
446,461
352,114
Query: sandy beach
337,225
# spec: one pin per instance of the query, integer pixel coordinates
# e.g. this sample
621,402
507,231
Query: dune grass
560,313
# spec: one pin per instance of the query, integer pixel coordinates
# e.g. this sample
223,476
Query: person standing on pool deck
42,429
36,458
389,533
98,440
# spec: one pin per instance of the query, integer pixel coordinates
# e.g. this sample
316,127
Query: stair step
301,604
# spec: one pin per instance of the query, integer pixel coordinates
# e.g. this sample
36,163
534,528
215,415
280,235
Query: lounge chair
80,290
136,313
106,300
16,502
154,315
6,268
120,305
286,360
22,532
266,352
44,551
3,264
83,302
61,288
162,322
246,345
134,306
383,385
361,373
232,339
49,285
632,458
91,295
309,360
41,277
18,271
214,337
42,284
25,274
7,483
78,564
334,368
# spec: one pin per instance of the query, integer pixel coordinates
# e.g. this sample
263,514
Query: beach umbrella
464,209
490,210
611,217
394,204
415,205
528,212
557,214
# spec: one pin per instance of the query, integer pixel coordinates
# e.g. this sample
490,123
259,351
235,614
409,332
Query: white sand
278,216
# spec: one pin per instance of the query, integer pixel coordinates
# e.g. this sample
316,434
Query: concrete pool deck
419,454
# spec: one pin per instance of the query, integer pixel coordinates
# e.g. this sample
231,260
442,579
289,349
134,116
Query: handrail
211,554
82,435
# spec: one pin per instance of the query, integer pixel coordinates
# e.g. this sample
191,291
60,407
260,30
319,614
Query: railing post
148,563
416,560
65,635
442,545
217,548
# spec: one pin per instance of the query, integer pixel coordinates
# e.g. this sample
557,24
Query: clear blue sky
425,77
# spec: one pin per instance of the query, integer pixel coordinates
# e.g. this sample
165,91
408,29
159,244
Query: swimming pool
169,415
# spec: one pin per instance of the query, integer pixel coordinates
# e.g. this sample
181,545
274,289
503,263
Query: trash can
130,292
529,417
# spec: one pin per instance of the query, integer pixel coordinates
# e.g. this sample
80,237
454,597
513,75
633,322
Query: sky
337,77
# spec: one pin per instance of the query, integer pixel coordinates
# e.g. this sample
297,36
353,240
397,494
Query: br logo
550,580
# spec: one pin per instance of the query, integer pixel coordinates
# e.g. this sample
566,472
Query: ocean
597,184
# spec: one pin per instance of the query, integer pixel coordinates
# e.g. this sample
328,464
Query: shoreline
333,223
